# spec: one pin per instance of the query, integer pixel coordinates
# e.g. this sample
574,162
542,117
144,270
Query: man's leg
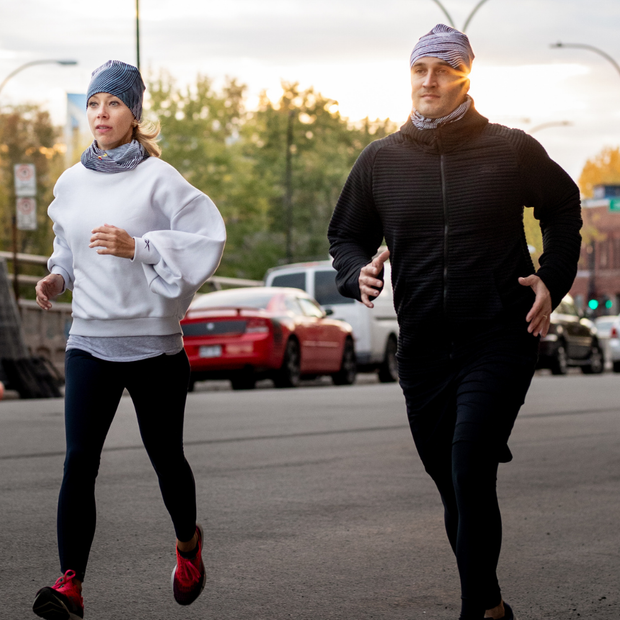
430,400
490,391
92,394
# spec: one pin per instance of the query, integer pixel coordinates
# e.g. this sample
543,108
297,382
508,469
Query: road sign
614,204
25,180
26,213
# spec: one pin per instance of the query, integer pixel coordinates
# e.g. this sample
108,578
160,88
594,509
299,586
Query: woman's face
110,120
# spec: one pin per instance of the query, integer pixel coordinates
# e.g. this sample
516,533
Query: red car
283,334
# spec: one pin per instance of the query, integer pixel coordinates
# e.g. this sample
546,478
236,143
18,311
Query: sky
356,52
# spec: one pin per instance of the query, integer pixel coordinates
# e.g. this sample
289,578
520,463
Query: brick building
597,287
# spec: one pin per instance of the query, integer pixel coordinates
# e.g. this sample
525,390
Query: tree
28,136
238,158
602,169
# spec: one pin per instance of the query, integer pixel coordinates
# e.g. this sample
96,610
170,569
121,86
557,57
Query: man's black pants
463,393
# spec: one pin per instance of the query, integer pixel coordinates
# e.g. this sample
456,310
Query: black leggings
158,388
463,397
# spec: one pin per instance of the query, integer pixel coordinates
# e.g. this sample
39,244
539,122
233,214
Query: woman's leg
92,394
158,387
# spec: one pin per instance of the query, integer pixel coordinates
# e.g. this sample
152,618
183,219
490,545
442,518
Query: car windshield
605,323
246,298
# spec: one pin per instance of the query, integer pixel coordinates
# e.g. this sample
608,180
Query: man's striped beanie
121,80
446,43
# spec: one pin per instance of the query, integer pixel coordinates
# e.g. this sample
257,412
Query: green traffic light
609,304
593,304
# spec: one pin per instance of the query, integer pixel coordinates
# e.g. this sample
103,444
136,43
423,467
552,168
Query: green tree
28,136
324,147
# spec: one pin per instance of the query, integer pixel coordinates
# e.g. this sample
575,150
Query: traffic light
593,304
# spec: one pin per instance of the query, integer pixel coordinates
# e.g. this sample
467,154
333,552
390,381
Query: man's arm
356,232
555,199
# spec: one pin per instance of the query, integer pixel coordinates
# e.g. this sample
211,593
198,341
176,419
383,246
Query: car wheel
559,364
245,380
289,373
616,366
388,371
348,366
596,364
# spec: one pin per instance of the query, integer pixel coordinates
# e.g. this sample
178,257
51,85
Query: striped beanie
446,43
121,80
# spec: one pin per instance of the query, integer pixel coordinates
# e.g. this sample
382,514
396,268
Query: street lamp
14,223
596,50
471,15
549,124
32,63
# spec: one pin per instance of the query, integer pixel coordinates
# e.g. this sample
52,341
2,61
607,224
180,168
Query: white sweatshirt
179,234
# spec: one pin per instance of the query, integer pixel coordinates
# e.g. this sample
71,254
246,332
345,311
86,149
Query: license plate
212,351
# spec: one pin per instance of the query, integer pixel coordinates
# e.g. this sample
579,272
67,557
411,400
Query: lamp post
469,18
138,34
2,85
592,284
31,64
549,124
596,50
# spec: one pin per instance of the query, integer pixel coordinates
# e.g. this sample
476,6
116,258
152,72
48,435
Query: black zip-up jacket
449,203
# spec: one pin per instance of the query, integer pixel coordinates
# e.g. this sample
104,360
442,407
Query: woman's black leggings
463,396
158,388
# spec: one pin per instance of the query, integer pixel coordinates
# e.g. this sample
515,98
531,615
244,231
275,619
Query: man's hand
49,287
368,279
538,316
114,241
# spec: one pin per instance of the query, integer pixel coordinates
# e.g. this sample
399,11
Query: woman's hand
112,240
49,287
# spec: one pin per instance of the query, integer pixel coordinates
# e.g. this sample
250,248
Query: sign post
25,217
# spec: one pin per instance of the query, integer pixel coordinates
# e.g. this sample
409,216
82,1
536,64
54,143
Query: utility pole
138,34
288,184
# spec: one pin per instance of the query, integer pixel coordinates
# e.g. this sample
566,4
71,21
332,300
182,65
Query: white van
375,330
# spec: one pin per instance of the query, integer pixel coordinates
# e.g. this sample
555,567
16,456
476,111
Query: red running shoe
189,576
63,601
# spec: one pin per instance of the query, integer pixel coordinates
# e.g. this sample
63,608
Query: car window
325,291
569,308
292,306
248,298
310,308
291,280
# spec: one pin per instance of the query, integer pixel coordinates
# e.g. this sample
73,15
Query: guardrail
33,259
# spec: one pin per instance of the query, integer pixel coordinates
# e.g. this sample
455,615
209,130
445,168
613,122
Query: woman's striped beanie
121,80
447,43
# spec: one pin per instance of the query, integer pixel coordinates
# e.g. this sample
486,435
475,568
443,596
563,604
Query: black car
572,341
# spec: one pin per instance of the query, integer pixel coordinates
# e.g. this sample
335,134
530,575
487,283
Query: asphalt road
315,506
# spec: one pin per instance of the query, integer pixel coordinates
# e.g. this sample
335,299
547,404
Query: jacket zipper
445,236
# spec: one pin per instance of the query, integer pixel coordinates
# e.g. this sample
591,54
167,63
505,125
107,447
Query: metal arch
443,8
471,15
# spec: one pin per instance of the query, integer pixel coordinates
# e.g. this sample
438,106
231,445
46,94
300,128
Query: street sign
25,180
614,204
26,213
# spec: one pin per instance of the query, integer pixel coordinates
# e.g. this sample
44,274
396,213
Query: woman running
134,241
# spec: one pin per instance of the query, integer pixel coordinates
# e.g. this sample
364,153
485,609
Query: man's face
437,88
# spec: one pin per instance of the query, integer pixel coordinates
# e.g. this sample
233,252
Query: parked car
572,341
604,326
614,344
375,330
282,334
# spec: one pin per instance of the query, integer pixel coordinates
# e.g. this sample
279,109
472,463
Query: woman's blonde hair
146,133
